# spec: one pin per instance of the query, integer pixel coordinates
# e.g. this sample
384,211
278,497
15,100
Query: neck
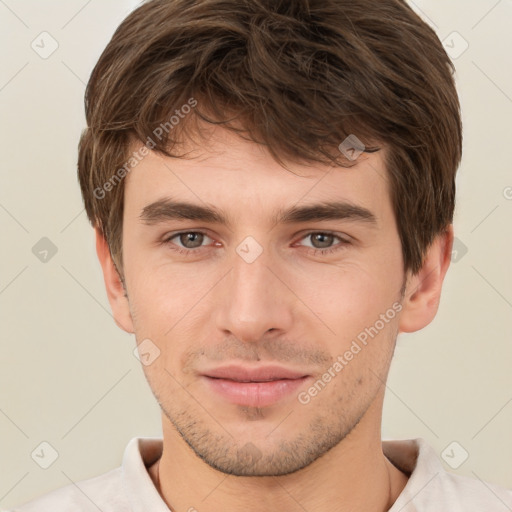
354,476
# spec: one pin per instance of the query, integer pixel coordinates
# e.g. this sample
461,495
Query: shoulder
473,494
103,492
114,491
456,493
431,488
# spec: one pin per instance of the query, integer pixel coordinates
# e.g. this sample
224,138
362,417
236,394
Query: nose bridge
253,300
251,276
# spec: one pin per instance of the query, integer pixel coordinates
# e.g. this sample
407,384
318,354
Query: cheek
171,301
349,296
163,294
171,305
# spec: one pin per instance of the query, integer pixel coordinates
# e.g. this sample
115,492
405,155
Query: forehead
236,174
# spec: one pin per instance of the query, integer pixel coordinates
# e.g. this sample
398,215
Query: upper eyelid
184,232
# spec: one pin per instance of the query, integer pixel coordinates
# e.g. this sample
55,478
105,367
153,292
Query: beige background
68,375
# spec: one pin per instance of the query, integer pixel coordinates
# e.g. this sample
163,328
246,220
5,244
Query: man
272,186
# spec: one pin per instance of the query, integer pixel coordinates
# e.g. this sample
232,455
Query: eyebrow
167,209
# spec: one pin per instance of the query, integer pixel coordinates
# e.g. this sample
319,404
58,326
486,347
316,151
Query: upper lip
259,374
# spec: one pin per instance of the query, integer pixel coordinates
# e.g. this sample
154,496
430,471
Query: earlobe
115,290
423,290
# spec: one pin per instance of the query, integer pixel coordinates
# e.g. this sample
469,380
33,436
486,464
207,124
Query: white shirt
129,488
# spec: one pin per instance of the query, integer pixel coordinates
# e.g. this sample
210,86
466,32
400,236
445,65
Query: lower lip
255,394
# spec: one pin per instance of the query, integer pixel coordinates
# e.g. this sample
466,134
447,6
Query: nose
253,299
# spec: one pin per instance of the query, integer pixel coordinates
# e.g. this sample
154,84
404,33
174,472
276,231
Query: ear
423,290
114,286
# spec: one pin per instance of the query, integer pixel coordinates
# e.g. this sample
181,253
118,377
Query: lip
259,374
254,387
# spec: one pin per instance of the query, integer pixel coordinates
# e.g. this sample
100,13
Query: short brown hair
298,76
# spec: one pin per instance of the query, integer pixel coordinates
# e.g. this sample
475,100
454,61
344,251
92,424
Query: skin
291,306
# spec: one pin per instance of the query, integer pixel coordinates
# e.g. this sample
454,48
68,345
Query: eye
186,241
321,242
189,242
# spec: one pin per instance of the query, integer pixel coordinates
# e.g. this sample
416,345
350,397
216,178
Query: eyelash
313,251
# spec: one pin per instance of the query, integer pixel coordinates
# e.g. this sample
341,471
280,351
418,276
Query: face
267,301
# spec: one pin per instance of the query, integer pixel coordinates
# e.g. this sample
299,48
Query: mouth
253,387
